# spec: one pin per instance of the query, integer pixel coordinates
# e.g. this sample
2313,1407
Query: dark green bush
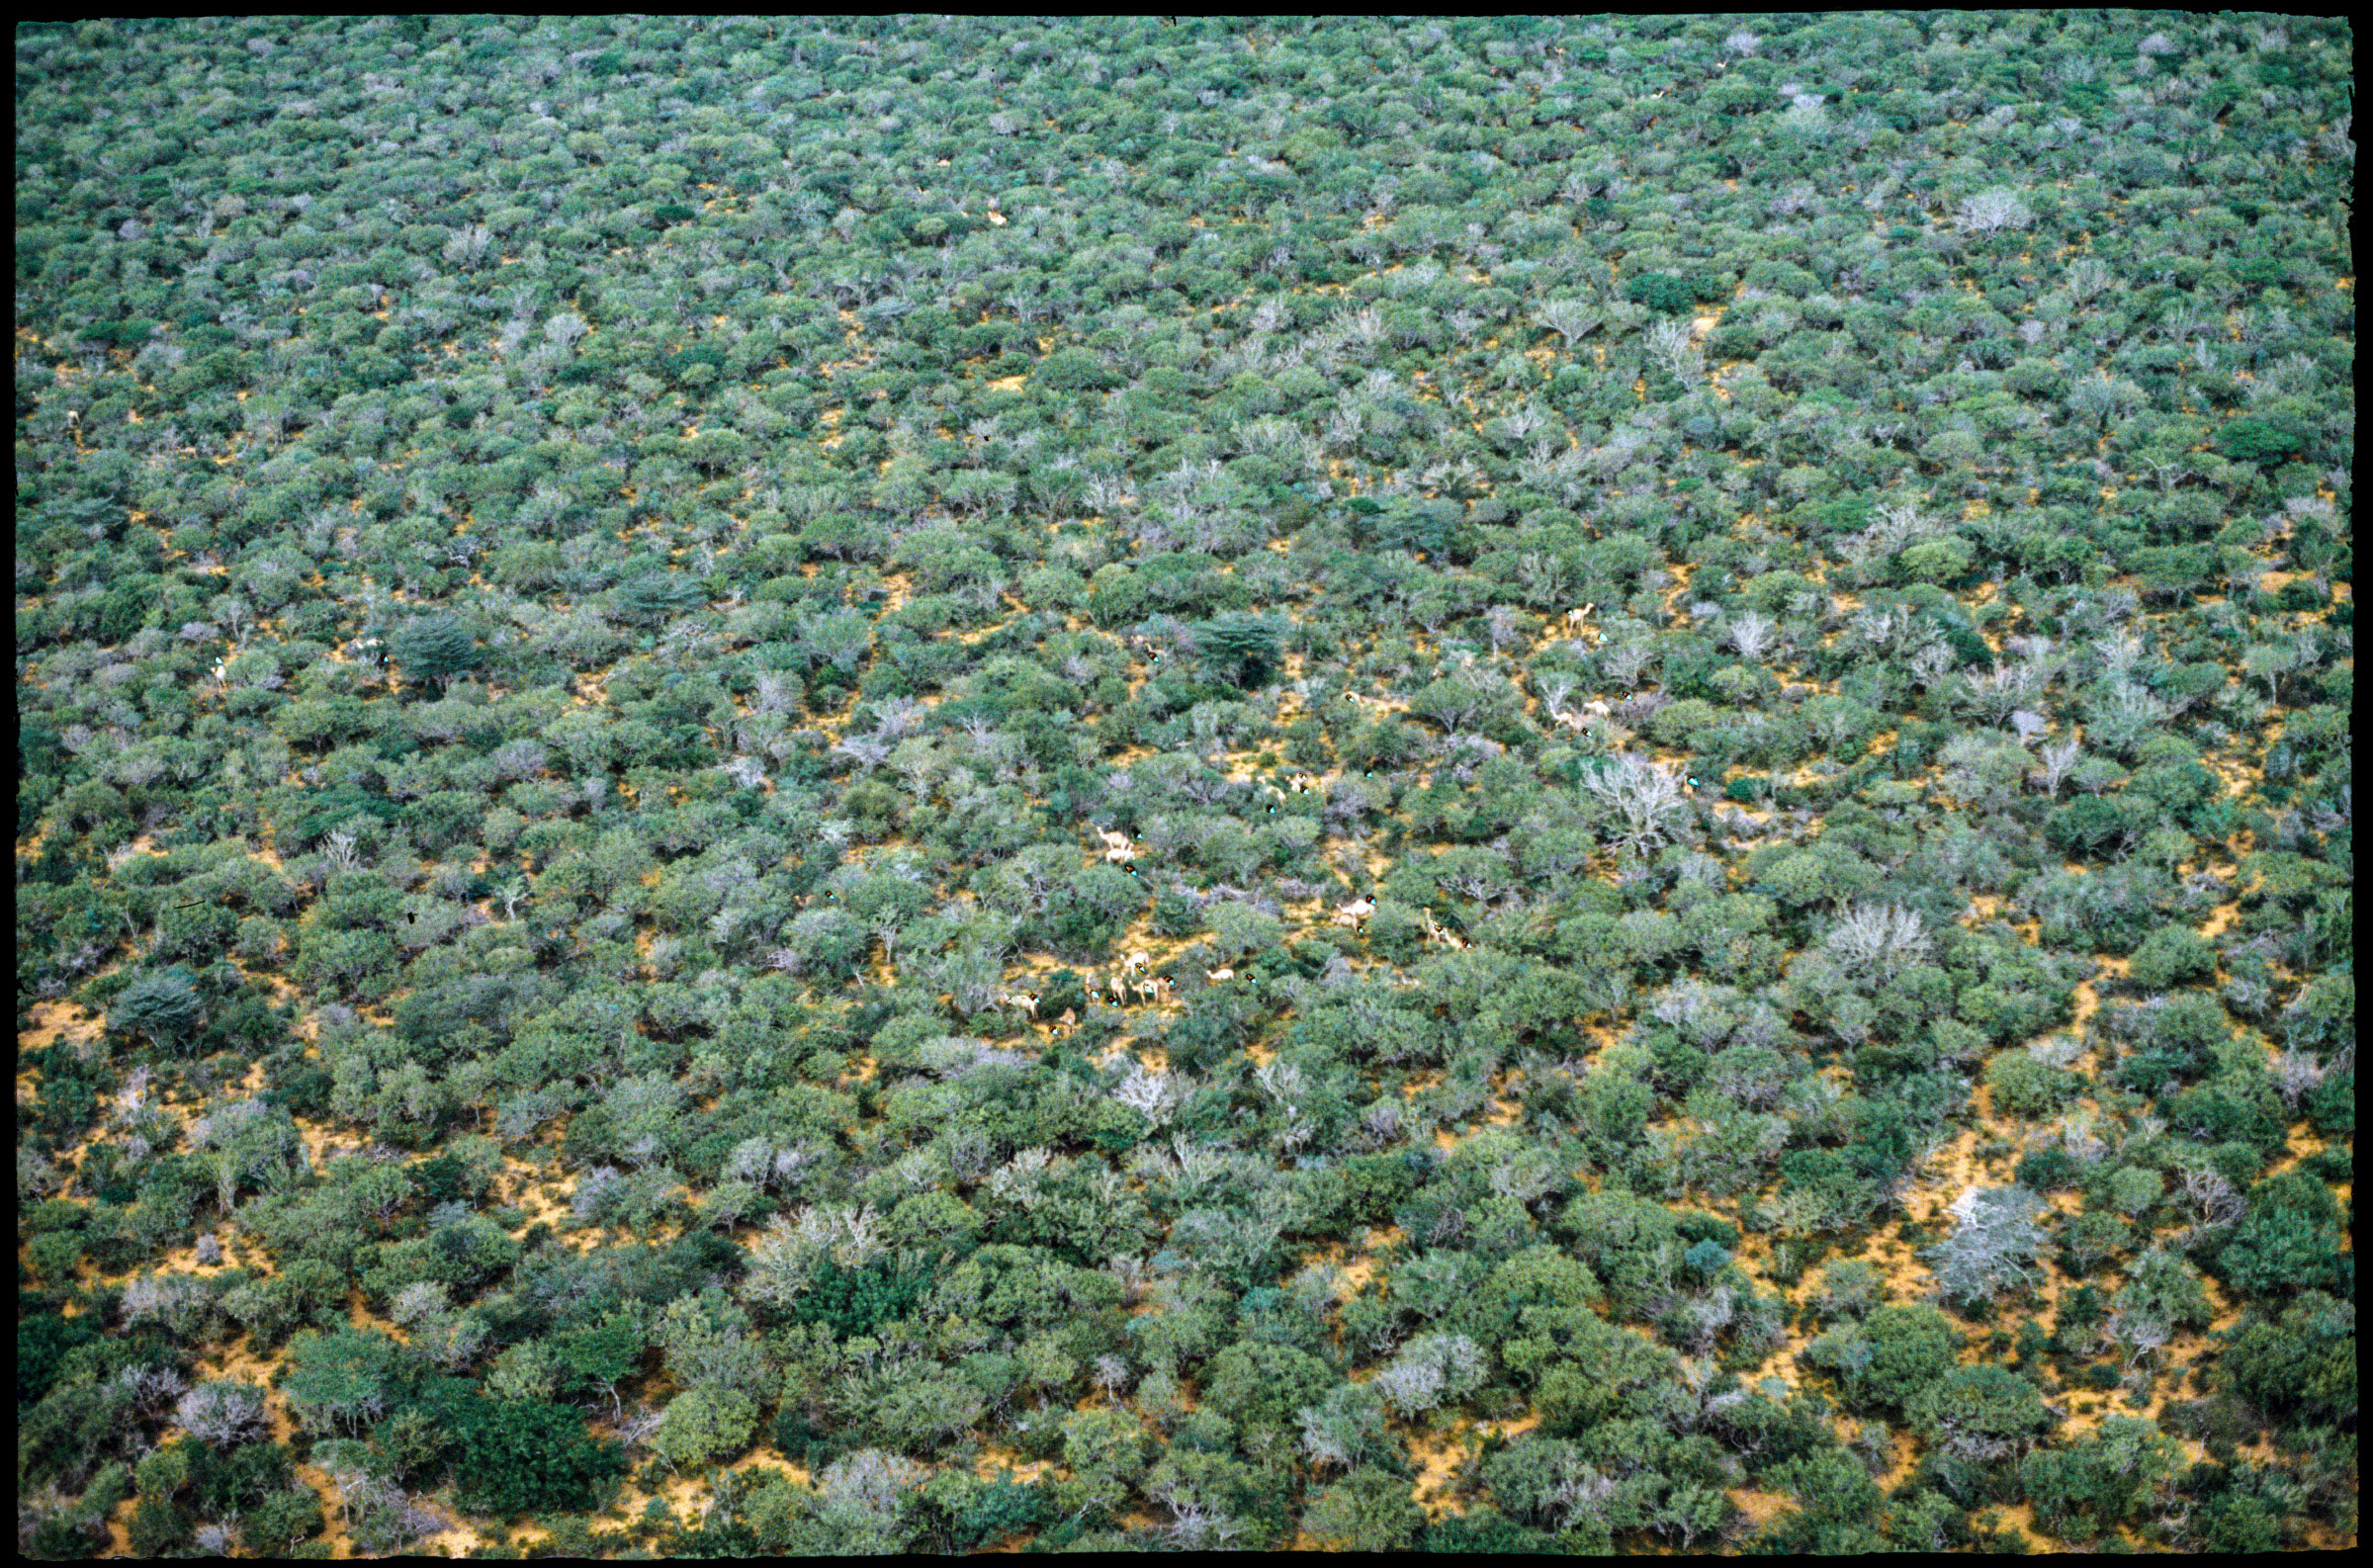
857,1301
513,1456
1664,292
2047,1170
2289,1241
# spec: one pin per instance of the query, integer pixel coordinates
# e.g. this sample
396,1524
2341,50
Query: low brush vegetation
914,784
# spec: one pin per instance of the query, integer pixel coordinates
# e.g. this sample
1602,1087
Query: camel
1121,855
1140,959
1113,840
1024,1002
1155,987
1355,913
1215,976
1066,1023
1577,619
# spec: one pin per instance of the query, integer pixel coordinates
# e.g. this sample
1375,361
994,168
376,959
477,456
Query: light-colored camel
1353,913
1215,976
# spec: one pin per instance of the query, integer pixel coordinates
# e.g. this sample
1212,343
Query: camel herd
1135,979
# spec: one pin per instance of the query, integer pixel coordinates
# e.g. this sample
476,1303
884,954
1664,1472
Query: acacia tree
1994,1243
1645,797
339,1382
1366,1511
1991,211
703,1425
438,647
223,1414
1243,650
167,1007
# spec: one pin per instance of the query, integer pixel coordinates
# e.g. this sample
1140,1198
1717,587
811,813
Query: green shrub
2259,440
2047,1170
705,1426
2026,1088
2103,1480
2303,1364
513,1456
165,1007
434,647
1075,370
2290,1241
856,1301
2173,956
995,1508
158,1525
1366,1511
1663,293
1889,1357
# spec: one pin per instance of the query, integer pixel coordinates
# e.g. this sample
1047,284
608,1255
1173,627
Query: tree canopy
831,785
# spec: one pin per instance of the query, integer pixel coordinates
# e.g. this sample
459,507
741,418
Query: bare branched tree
1991,212
1645,797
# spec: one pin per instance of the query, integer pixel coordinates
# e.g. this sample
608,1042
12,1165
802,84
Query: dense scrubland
834,786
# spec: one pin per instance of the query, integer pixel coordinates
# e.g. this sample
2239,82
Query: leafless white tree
1573,319
1989,212
1871,934
1675,347
1150,1093
2057,759
2295,1074
1753,634
1646,798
